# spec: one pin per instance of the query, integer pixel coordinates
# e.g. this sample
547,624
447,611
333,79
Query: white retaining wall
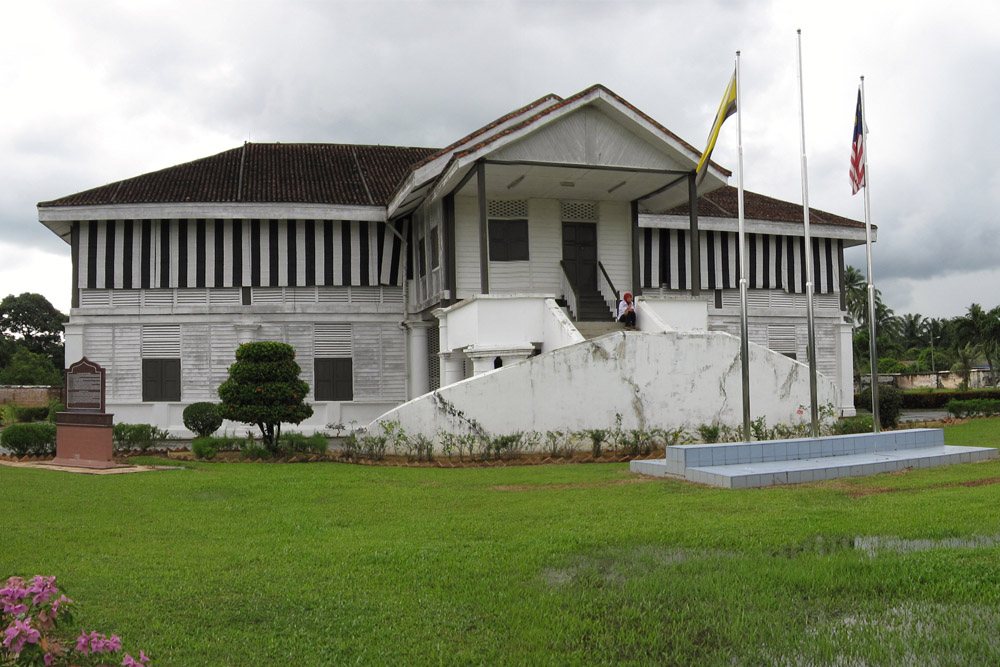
654,380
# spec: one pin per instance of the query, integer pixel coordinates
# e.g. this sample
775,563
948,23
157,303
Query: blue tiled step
742,465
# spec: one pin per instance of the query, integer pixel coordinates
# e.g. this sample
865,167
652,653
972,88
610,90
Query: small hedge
930,400
202,419
129,437
30,439
975,407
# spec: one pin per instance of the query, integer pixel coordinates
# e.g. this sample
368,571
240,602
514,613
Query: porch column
846,370
449,283
695,237
634,232
418,370
482,363
452,368
73,343
484,234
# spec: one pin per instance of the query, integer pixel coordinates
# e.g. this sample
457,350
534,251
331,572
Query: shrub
54,407
204,448
9,413
847,425
709,433
975,407
202,418
890,404
30,439
252,450
264,389
137,436
597,438
296,443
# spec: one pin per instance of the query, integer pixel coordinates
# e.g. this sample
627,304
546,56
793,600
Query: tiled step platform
744,465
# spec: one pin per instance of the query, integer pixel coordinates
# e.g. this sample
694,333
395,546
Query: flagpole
744,333
810,324
872,345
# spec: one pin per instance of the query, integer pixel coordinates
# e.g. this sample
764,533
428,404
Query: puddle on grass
619,566
874,545
908,633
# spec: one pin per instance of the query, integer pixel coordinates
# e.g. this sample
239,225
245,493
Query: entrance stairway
591,330
591,307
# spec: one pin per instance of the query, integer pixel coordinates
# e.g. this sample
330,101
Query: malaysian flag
858,179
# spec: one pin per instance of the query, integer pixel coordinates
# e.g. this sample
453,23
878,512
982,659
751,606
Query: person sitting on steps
626,311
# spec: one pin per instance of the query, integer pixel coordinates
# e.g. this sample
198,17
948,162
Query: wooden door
580,254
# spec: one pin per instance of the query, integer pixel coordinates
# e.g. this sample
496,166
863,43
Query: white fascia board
715,224
275,211
427,172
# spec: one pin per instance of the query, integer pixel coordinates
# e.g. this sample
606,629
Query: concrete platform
756,464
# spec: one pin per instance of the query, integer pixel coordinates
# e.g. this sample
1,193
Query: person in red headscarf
626,311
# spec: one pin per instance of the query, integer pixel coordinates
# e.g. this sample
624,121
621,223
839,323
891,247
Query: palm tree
980,329
965,361
912,330
856,294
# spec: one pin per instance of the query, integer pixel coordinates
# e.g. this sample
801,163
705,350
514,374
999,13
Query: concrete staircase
591,307
594,329
756,464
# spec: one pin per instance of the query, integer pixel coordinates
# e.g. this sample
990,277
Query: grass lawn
311,564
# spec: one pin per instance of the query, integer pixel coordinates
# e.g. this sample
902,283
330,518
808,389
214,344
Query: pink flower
18,634
48,658
129,661
799,412
83,643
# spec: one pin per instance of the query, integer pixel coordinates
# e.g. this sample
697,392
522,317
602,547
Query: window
508,240
422,257
161,380
334,379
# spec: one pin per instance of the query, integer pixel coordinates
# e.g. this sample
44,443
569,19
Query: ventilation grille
582,211
508,208
161,341
781,338
332,340
433,360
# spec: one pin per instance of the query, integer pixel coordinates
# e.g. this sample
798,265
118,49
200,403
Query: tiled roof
724,203
341,174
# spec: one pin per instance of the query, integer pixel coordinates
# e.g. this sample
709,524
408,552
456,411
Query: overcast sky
98,91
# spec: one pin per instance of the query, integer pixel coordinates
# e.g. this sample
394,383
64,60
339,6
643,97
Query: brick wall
29,396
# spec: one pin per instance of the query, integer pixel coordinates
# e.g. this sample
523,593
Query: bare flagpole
872,345
810,324
744,332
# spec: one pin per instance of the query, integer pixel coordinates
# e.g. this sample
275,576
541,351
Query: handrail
571,298
618,296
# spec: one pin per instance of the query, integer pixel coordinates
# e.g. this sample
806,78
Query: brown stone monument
84,432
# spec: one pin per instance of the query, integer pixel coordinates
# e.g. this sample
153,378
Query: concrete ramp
653,380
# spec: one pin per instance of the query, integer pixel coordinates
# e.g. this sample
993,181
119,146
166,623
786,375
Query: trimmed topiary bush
30,439
264,389
202,418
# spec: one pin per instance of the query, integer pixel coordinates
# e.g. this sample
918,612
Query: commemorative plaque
85,387
84,432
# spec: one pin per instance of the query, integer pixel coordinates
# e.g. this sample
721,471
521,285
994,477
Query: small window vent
581,211
508,208
161,340
332,340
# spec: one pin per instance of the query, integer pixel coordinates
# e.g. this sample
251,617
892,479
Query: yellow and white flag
726,109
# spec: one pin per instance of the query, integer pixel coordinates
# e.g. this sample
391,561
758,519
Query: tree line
31,341
912,343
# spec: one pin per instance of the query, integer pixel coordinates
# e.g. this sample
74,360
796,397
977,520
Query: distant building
362,258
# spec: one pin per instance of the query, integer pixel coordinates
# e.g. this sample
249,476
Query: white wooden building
370,260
